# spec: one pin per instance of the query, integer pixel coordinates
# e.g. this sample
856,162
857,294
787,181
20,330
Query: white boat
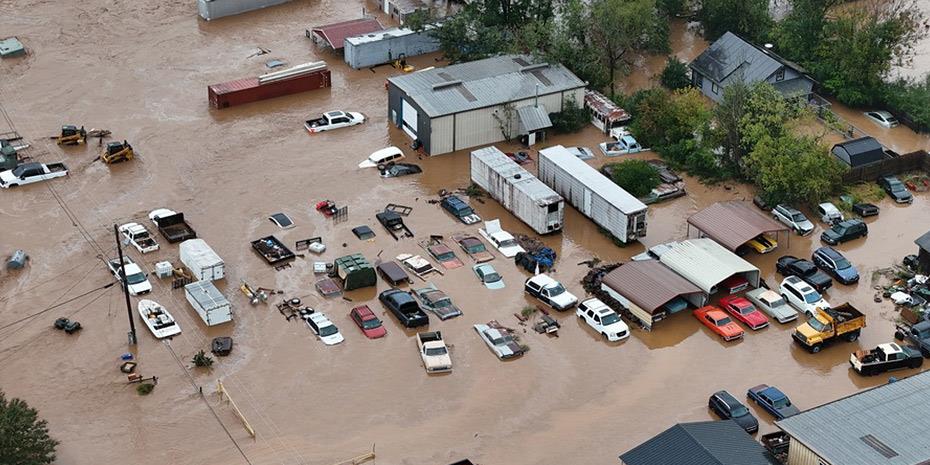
159,321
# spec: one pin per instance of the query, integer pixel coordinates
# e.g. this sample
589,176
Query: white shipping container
517,190
203,262
593,194
209,302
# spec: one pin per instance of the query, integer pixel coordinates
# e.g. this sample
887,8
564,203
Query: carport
334,35
646,287
707,264
733,223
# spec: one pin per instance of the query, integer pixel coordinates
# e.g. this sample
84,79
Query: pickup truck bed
56,167
175,229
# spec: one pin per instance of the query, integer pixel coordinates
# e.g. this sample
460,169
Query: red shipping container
248,90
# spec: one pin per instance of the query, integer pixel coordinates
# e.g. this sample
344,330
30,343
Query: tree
746,18
675,74
728,113
24,438
794,169
663,118
800,32
766,113
565,40
911,98
619,28
635,176
572,118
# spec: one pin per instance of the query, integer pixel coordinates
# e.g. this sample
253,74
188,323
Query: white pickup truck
139,237
334,120
137,281
28,173
434,352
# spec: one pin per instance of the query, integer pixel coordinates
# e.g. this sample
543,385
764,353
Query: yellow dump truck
828,324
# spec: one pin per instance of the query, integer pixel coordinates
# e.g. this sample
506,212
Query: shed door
410,119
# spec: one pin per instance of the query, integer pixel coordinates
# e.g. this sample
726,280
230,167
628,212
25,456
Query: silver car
882,118
499,341
793,218
772,304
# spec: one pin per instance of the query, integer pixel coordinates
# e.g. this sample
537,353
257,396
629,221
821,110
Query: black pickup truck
404,307
174,228
918,335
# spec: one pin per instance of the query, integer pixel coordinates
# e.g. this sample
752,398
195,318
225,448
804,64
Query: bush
911,98
571,119
145,389
635,176
24,438
675,74
201,359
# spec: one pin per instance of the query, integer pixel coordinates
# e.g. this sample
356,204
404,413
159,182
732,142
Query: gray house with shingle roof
481,102
885,425
700,443
731,59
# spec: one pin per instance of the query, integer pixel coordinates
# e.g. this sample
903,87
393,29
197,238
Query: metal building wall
376,52
441,134
798,454
213,9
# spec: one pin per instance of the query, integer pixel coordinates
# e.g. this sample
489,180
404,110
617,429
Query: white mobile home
593,194
517,190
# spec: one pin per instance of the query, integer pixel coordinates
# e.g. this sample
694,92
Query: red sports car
719,322
366,320
744,311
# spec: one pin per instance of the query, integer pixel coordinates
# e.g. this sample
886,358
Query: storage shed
376,48
334,35
214,9
857,152
203,262
733,223
521,193
355,272
208,302
593,194
480,102
707,264
923,252
651,291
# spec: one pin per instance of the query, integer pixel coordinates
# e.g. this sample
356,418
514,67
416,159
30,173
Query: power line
106,286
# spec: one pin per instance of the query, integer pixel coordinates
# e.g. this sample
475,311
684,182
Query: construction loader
116,152
71,135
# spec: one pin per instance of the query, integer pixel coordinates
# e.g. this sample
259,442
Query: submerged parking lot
141,71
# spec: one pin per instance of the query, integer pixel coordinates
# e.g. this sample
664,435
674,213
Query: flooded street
141,70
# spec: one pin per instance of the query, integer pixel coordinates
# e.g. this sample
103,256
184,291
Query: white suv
802,296
550,291
323,328
604,320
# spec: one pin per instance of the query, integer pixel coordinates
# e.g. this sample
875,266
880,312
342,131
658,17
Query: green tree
795,169
572,118
675,74
911,98
565,40
747,18
663,118
800,32
24,438
671,7
728,114
766,113
620,28
635,176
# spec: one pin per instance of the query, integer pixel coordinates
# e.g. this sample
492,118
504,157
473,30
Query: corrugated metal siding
707,263
800,455
479,127
213,9
643,316
441,134
390,45
243,91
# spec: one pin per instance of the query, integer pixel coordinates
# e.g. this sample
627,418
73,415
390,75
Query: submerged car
489,276
744,311
437,301
719,322
793,218
550,292
772,304
473,247
789,265
368,322
882,118
835,264
895,189
728,407
762,243
845,231
396,170
445,256
773,401
499,341
459,209
885,357
603,319
323,328
802,296
502,240
829,213
382,157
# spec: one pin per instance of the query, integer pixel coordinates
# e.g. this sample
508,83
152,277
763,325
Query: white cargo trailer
593,194
209,302
203,262
517,190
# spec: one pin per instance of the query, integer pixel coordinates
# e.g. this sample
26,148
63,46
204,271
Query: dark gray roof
923,241
484,83
885,425
730,55
700,443
860,145
858,152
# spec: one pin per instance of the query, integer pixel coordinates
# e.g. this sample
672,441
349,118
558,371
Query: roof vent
534,67
443,85
517,176
879,446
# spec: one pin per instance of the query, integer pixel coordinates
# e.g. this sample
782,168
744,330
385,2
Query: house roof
706,263
590,177
733,223
649,284
923,241
885,425
700,443
335,34
730,55
484,83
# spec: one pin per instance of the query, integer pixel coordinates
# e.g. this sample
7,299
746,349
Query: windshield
136,278
781,403
476,248
492,278
328,330
747,309
501,340
18,171
799,217
555,290
609,319
371,324
739,410
896,186
816,324
434,351
776,303
465,211
812,297
445,256
507,243
842,263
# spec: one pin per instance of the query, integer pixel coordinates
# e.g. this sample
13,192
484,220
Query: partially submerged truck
138,237
434,352
917,334
28,173
173,227
829,324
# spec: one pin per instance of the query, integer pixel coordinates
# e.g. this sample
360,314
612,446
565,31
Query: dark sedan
790,265
727,407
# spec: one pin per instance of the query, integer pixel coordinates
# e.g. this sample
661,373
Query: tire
851,337
816,348
605,336
925,353
899,335
915,363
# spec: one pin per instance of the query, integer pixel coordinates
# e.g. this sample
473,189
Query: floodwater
571,399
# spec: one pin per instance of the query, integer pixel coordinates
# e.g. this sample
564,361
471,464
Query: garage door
410,119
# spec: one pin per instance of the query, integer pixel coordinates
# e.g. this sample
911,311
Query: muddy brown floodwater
141,69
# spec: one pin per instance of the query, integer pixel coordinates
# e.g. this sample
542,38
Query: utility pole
125,282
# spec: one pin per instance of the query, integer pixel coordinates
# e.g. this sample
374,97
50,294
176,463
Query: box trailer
203,262
593,194
517,190
208,302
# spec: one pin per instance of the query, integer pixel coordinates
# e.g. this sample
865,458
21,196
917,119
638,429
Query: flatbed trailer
272,250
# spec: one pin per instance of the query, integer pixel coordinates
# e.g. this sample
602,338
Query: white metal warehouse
481,102
706,263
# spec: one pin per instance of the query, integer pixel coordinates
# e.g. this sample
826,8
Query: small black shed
923,255
858,152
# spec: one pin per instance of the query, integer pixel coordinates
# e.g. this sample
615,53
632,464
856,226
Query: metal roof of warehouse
590,177
700,443
733,223
884,425
649,284
335,34
704,262
484,83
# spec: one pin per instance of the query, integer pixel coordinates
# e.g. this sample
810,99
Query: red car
744,311
445,256
719,322
366,320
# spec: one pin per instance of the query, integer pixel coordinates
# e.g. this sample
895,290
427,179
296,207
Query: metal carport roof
706,263
733,223
335,34
649,284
